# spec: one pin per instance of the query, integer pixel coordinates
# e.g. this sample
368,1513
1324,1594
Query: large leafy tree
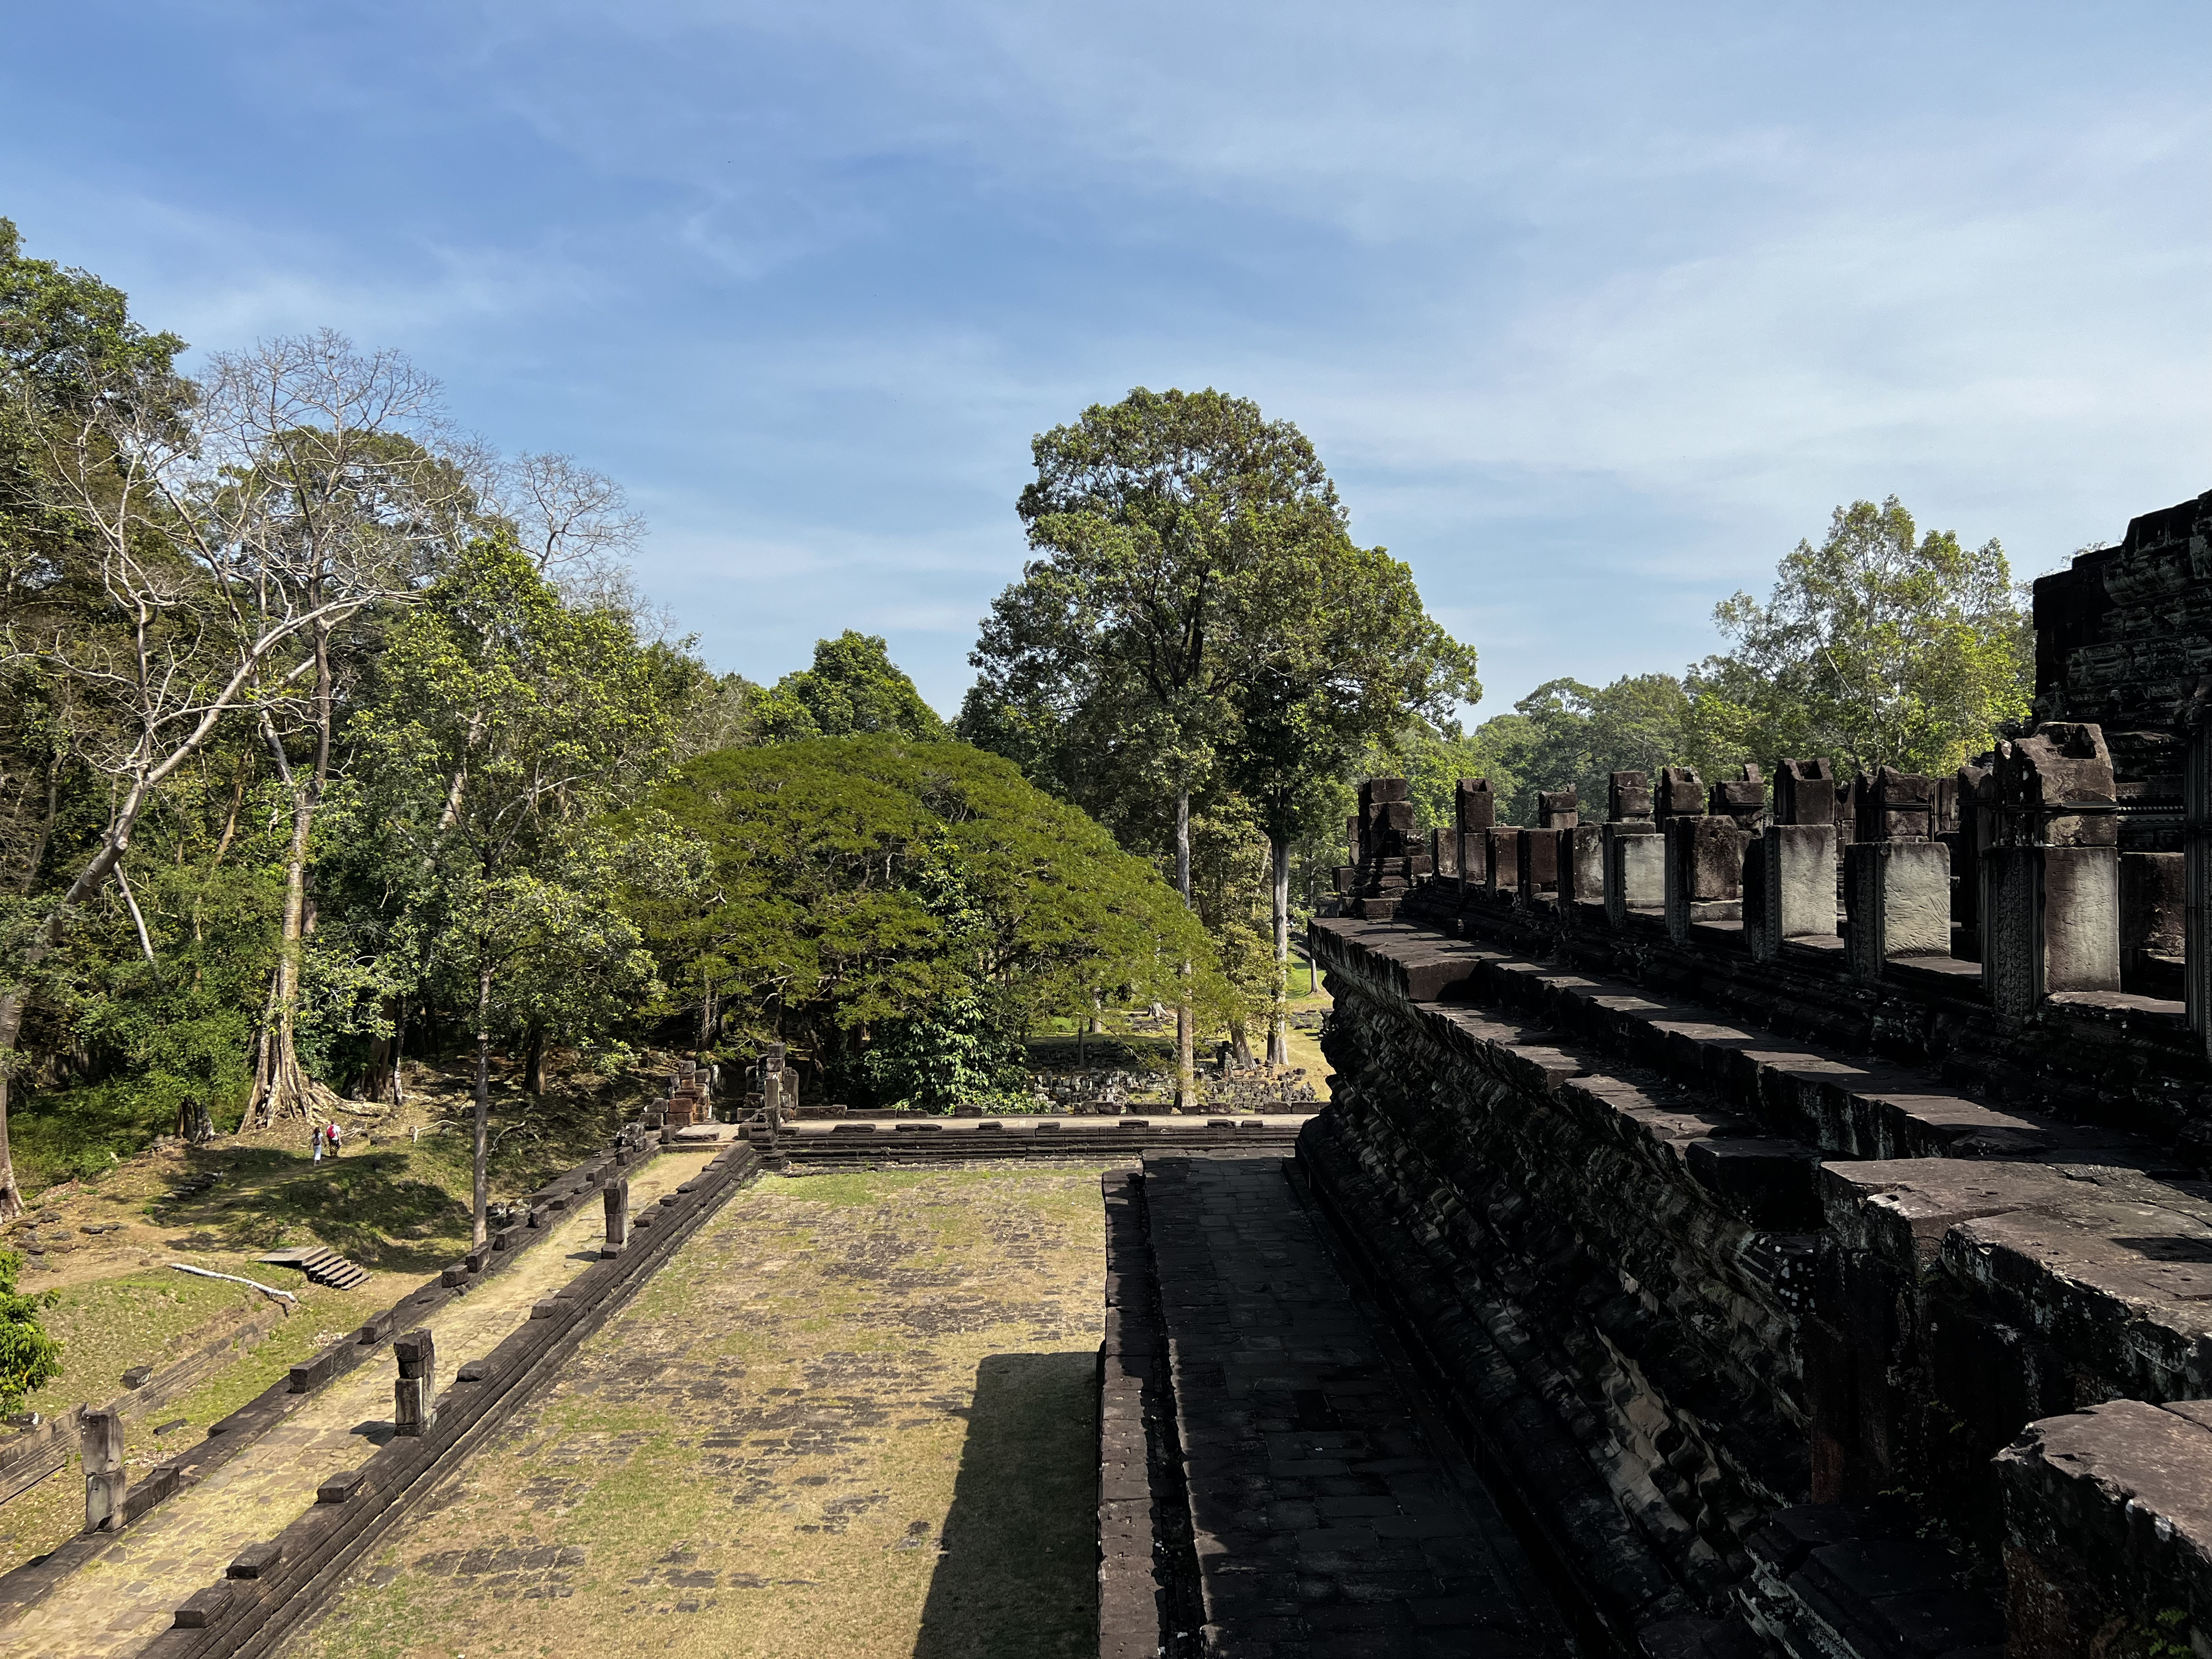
1108,669
138,624
901,912
1333,651
1882,646
1200,620
506,728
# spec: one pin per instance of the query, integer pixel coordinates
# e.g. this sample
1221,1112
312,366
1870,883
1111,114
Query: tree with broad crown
1876,648
1335,651
900,912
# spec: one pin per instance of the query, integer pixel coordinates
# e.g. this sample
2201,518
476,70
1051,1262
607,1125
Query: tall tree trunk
480,1202
1279,1024
533,1063
288,1092
1186,1029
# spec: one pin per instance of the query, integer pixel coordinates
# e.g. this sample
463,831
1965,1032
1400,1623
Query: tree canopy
1200,624
861,887
1882,646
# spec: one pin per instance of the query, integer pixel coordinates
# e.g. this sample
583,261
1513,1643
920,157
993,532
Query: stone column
1898,895
1635,871
1536,853
100,1445
415,1394
1632,866
1974,791
1804,792
1582,868
1704,872
2050,901
615,1197
1475,811
1743,799
1895,805
1797,882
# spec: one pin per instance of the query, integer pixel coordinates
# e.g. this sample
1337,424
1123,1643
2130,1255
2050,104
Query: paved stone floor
853,1417
129,1593
1328,1522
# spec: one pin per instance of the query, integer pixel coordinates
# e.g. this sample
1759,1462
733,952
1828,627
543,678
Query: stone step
321,1265
1843,1105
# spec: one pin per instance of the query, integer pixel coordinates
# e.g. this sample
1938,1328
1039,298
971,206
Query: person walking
331,1130
315,1140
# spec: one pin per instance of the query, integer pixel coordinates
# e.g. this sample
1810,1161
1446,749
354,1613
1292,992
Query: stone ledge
2108,1525
1843,1105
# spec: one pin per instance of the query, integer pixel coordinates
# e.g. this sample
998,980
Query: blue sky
1592,310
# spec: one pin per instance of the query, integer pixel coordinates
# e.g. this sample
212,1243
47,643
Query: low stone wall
1147,1589
23,1587
940,1140
272,1587
1739,1322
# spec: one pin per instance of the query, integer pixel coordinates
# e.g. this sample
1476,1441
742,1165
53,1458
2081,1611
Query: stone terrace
853,1417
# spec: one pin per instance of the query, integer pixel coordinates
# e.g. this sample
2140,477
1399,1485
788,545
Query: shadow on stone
1015,1575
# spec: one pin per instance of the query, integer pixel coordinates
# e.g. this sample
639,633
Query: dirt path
853,1417
128,1593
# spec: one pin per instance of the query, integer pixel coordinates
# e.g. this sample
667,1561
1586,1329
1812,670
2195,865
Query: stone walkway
129,1593
1326,1522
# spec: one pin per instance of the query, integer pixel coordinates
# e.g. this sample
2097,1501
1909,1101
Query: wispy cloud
1593,309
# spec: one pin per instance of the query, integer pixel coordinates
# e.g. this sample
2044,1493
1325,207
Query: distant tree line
1881,645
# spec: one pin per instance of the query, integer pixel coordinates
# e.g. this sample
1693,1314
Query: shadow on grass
355,1204
1016,1569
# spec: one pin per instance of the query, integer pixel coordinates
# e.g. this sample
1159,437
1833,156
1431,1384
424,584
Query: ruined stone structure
1794,1188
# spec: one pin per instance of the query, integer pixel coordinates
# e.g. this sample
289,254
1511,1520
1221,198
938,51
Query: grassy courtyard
852,1417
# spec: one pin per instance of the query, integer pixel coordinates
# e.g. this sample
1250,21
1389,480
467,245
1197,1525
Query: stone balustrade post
1582,868
1704,872
100,1447
415,1394
2050,902
1796,867
1536,853
1632,866
614,1197
1474,812
1502,845
1897,895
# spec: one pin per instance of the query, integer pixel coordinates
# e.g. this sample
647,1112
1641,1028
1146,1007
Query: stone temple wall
1794,1188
